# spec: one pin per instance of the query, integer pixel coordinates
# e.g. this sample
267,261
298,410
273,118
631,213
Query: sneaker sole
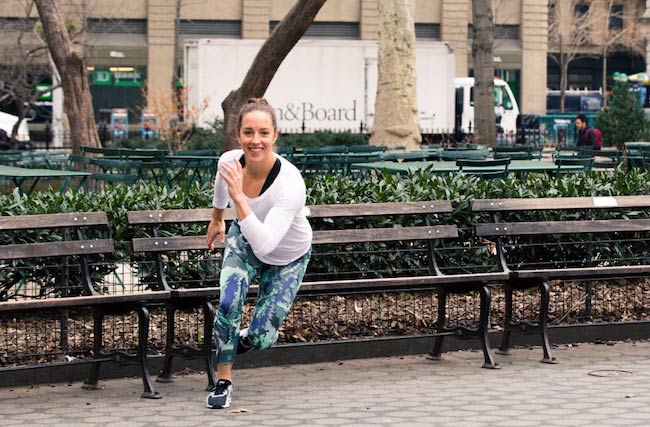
209,406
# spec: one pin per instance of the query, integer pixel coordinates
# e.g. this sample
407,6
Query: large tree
568,34
267,61
483,57
70,64
615,28
396,111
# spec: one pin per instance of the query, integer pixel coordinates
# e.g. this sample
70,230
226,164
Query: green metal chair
115,171
586,162
489,165
518,152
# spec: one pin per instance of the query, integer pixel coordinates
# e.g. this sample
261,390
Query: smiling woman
269,242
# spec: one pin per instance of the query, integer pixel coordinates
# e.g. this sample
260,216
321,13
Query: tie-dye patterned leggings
278,286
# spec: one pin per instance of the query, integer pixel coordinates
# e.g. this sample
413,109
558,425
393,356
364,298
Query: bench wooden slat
559,203
315,211
364,284
561,227
77,219
81,301
53,249
164,244
384,234
401,282
380,209
173,216
584,272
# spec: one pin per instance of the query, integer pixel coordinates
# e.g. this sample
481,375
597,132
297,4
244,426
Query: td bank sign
102,77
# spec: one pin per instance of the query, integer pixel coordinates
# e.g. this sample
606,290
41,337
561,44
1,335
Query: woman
269,243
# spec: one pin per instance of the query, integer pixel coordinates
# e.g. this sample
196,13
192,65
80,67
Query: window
581,11
501,98
339,30
117,26
616,17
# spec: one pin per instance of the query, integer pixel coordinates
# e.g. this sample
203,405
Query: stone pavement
594,385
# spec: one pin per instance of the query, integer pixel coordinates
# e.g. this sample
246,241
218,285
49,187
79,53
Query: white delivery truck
330,84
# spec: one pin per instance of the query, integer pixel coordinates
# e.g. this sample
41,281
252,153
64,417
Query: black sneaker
244,344
220,395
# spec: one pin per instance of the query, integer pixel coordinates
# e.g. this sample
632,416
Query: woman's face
257,135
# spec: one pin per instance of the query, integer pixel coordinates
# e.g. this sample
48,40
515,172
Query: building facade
136,43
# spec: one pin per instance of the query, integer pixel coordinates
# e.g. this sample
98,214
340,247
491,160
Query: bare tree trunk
177,29
604,77
564,73
71,68
267,61
396,112
483,57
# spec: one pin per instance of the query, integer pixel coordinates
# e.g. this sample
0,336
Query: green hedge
331,189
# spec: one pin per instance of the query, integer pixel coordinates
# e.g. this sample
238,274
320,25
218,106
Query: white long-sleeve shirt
277,230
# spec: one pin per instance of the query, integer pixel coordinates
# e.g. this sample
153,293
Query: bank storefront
117,88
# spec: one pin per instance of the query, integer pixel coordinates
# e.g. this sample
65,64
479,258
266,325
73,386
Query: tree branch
267,61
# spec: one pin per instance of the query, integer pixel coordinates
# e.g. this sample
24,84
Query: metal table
442,167
20,175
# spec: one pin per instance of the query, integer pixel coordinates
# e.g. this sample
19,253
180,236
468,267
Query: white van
505,104
7,122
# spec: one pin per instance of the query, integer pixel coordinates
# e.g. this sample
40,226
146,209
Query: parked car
7,122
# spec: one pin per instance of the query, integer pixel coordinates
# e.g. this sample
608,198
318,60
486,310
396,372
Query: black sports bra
275,171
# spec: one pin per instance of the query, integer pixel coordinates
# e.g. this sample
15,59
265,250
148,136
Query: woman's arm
233,175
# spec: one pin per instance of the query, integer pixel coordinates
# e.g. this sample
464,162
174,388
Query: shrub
210,137
322,139
623,120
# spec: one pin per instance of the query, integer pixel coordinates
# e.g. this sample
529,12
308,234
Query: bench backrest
159,245
159,217
76,245
583,226
558,203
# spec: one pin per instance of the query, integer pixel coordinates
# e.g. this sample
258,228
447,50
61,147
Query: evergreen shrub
623,120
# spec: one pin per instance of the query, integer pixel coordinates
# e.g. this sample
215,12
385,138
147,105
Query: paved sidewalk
594,385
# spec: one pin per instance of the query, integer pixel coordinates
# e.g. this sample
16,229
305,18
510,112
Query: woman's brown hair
256,104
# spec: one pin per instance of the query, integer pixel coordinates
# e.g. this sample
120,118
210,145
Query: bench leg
93,378
166,374
545,291
436,353
486,298
507,327
208,326
143,338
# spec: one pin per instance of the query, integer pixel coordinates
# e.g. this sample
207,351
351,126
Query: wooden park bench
188,292
66,273
542,241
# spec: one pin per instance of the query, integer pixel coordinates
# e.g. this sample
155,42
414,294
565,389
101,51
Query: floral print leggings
278,285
